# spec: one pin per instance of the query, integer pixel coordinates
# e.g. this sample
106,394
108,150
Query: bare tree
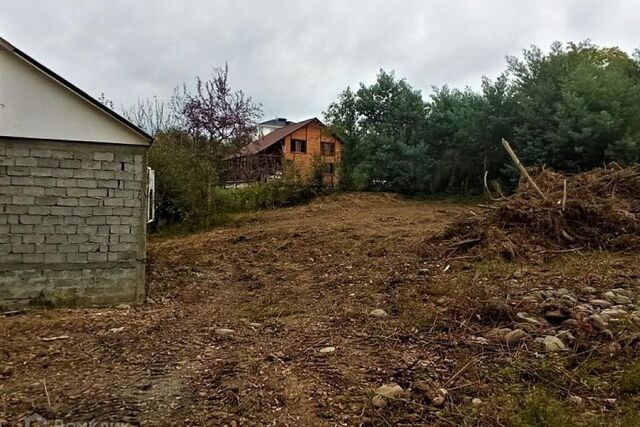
224,117
152,115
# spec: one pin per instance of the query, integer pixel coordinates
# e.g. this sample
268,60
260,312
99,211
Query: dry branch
522,169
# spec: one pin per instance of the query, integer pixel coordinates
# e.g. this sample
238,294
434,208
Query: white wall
33,105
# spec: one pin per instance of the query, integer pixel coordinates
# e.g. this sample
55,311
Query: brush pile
599,209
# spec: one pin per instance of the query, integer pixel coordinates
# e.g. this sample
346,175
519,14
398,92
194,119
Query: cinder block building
73,193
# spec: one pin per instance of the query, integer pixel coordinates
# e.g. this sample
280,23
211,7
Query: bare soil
291,282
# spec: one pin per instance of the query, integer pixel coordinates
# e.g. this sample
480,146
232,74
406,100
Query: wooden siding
314,134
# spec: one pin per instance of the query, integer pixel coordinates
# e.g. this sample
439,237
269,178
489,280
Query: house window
329,148
298,146
331,168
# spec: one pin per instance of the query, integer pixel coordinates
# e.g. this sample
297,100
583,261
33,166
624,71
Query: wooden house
296,144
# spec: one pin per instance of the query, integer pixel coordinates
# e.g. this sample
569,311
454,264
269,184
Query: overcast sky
294,57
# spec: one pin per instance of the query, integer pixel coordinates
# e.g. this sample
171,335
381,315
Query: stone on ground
379,313
553,344
386,392
515,336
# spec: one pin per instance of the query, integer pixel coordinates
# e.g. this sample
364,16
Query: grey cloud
295,56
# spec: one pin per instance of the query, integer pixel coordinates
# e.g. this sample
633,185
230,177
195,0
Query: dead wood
590,216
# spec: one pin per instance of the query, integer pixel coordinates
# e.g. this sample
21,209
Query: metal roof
279,122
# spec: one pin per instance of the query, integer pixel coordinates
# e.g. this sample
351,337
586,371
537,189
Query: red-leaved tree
225,119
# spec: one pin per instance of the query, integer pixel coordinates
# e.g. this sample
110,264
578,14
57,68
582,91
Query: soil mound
600,209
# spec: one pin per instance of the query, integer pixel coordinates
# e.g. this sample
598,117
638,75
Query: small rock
613,314
570,324
602,303
379,401
224,331
597,322
617,299
434,395
626,292
439,398
326,350
476,401
527,318
553,344
387,391
378,313
515,336
123,306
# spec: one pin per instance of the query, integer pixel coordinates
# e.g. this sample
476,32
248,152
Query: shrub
188,194
184,182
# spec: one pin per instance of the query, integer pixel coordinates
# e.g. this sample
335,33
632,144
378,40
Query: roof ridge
271,138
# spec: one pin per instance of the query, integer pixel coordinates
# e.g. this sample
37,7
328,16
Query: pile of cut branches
550,212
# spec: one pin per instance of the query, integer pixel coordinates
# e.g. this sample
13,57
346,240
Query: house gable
36,103
284,134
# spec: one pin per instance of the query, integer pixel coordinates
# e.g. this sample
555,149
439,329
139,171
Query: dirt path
290,283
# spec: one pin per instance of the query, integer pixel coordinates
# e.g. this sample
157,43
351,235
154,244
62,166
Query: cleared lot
268,322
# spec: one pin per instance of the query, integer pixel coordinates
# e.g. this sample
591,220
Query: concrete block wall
72,223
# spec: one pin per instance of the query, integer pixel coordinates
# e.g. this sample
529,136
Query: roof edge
75,89
293,127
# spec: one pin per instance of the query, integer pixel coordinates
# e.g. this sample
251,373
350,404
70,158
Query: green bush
189,195
184,180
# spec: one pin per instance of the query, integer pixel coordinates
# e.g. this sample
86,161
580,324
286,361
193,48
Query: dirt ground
267,322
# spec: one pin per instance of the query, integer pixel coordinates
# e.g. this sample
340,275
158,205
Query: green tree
577,106
383,127
573,108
